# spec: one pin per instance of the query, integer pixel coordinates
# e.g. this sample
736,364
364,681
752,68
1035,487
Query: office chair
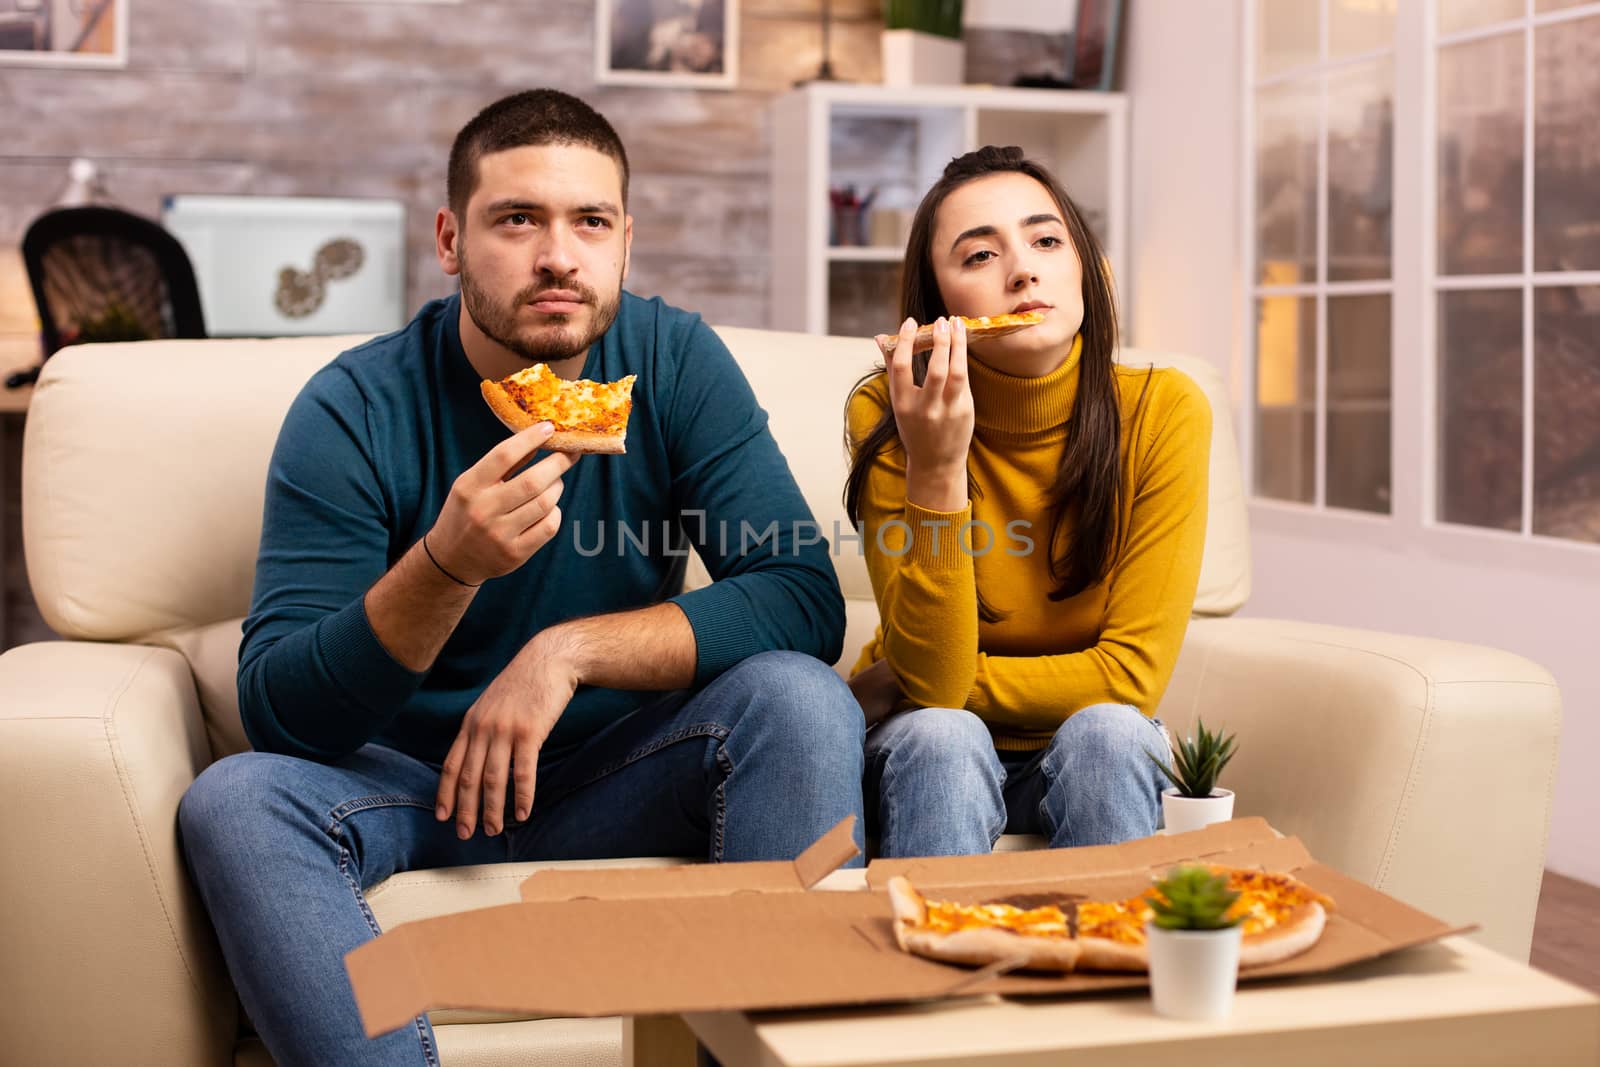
104,274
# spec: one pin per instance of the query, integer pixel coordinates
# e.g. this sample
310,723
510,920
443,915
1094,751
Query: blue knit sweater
365,458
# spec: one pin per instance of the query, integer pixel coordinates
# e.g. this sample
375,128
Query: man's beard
553,342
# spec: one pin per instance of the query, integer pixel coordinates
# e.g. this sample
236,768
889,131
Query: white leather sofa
1418,766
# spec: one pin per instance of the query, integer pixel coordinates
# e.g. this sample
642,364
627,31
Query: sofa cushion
144,471
213,655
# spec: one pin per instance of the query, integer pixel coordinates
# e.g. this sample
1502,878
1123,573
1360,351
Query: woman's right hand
935,419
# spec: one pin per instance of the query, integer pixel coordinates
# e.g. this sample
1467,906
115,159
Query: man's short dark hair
534,117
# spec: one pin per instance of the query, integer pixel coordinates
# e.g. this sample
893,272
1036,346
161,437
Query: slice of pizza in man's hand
587,416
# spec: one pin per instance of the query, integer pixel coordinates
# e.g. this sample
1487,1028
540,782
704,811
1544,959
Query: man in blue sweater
443,665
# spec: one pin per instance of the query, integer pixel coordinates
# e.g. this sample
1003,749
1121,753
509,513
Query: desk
1453,1002
17,352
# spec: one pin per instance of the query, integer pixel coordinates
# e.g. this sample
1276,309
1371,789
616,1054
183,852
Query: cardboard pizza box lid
827,854
749,936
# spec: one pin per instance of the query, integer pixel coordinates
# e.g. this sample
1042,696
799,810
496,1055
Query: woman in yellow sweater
1033,516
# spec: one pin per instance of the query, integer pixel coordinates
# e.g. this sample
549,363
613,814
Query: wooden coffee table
1452,1002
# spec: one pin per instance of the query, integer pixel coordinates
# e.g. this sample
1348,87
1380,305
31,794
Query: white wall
1036,16
1182,74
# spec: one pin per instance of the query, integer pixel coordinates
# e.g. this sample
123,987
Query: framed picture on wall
686,43
64,33
1094,44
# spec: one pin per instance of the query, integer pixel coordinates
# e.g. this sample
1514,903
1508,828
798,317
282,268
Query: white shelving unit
1081,136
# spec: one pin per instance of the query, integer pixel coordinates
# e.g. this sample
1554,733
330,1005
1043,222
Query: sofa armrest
107,952
1422,767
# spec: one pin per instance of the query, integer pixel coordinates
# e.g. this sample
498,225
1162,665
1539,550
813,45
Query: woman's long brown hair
1088,486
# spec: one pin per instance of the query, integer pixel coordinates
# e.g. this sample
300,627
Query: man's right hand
495,518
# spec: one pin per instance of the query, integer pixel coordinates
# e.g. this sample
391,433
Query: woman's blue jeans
936,786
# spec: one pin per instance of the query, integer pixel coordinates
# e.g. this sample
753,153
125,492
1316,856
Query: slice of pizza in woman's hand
981,934
588,416
981,329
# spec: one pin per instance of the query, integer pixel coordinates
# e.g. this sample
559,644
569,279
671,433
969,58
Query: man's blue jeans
935,786
755,766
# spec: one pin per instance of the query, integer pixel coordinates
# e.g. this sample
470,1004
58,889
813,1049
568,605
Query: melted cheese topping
595,407
1121,921
1265,900
1048,921
1024,318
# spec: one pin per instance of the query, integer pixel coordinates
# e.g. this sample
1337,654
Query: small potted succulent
1195,801
922,43
1194,945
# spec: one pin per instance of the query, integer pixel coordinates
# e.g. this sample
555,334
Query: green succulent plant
115,323
1193,898
941,17
1197,761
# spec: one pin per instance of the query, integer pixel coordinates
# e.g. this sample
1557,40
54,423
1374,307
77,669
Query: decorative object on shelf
1094,45
300,292
922,43
691,44
849,215
1197,761
268,266
1194,945
1091,51
825,71
64,33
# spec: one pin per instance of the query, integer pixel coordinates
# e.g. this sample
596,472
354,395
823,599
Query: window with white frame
1503,302
1515,270
1324,264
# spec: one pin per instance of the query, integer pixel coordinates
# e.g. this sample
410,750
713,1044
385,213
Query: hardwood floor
1566,931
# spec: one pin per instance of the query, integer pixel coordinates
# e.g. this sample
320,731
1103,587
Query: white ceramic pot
1182,813
911,57
1193,973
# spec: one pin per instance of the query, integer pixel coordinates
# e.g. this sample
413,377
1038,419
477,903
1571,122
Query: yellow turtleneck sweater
1116,642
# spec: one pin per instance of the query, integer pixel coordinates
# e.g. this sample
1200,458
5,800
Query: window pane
1360,171
1358,403
1457,15
1480,156
1480,408
1541,6
1286,184
1286,397
1566,412
1356,26
1286,35
1566,152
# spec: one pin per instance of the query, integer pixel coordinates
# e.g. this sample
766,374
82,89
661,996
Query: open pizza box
760,936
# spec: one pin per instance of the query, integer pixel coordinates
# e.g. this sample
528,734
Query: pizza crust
1104,954
979,947
509,412
980,329
1289,938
